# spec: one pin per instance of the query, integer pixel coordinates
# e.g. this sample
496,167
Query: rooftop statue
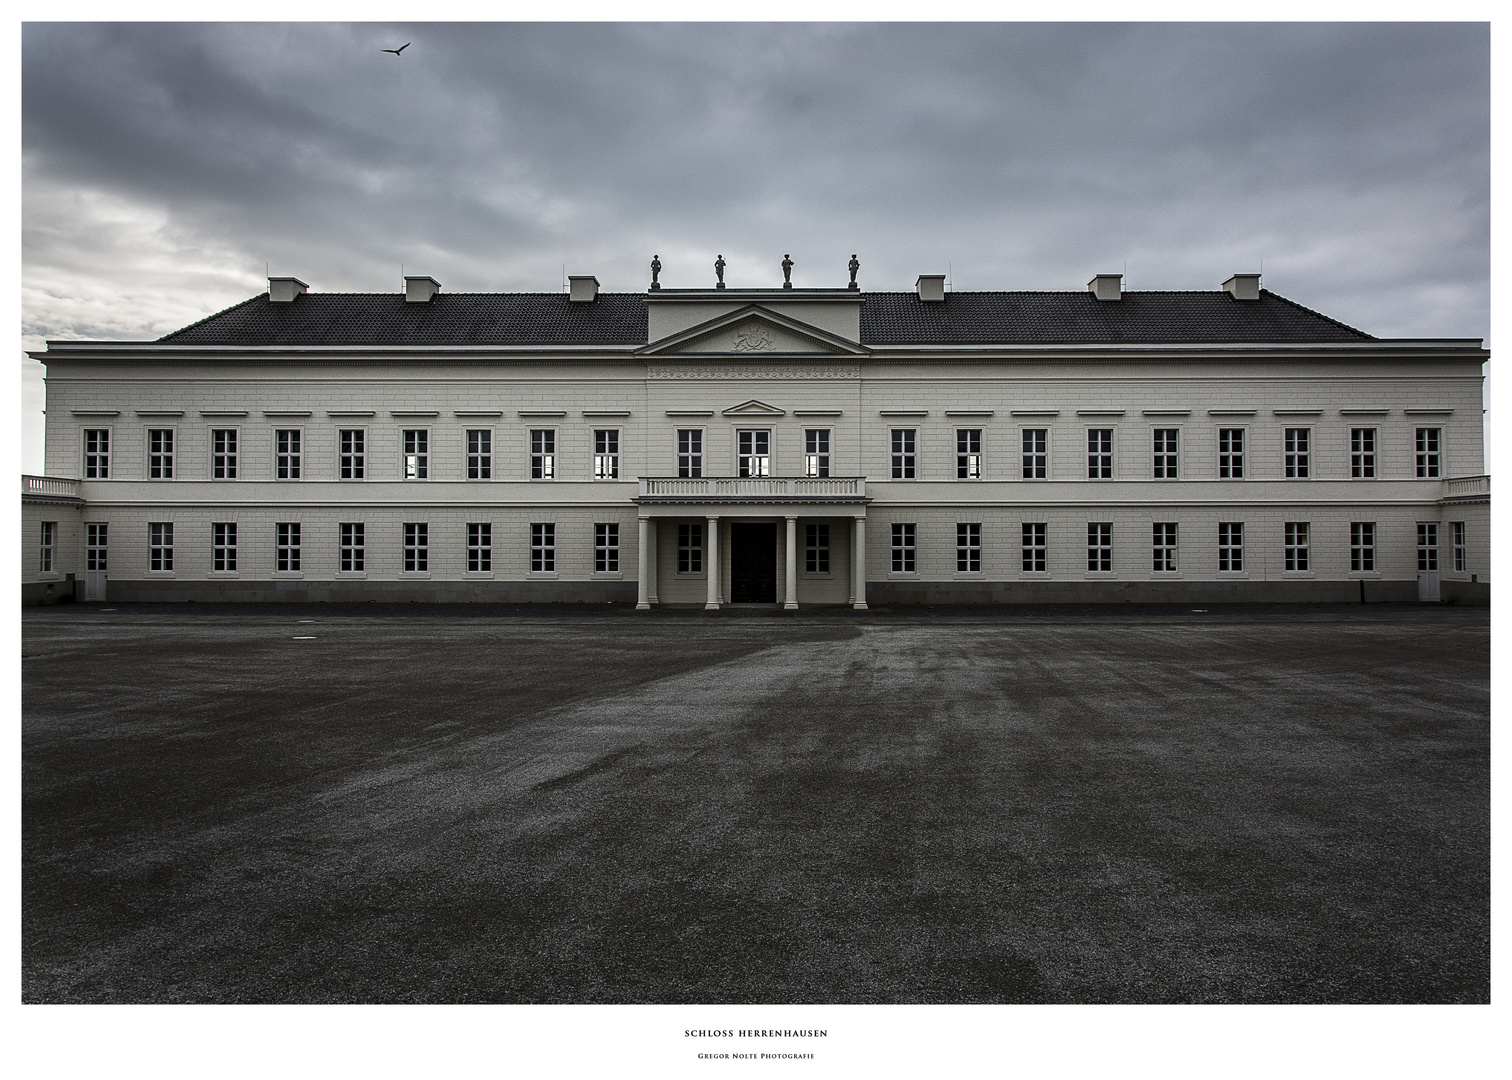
719,265
787,271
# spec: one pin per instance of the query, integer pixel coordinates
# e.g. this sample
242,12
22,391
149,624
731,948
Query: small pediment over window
754,408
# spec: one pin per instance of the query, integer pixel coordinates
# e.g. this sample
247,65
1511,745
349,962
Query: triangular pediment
753,331
754,408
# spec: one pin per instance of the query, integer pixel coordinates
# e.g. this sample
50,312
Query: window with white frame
968,453
690,547
1230,546
904,455
1296,545
606,454
1427,452
480,547
903,534
1362,545
1457,538
968,547
1036,455
416,546
416,454
353,546
288,453
160,545
542,454
47,541
97,453
542,547
223,545
96,534
753,452
1427,545
160,453
690,453
816,452
606,547
1231,453
353,453
1099,453
1033,536
1296,450
1100,546
223,453
1164,441
479,454
816,547
286,548
1362,453
1163,545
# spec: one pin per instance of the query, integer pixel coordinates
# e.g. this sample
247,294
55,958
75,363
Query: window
816,548
606,547
1231,453
94,545
1165,453
690,548
480,547
969,454
416,546
1163,542
288,447
1362,441
968,547
353,545
1427,452
606,455
1457,537
479,454
1231,545
689,454
49,535
97,454
353,453
1296,441
753,453
416,454
1034,546
160,453
1362,545
160,545
1100,546
286,548
542,454
903,546
1035,456
1099,453
816,452
1427,545
1296,545
543,547
223,454
223,545
903,459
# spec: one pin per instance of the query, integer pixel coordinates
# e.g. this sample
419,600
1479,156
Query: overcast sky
164,166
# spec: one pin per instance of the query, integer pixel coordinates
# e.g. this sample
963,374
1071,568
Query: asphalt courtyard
360,804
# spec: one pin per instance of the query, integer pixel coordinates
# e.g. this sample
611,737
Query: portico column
790,601
858,564
711,563
643,587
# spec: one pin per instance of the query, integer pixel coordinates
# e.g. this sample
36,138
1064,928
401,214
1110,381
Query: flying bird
399,50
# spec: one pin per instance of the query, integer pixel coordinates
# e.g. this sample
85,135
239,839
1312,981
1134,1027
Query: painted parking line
309,637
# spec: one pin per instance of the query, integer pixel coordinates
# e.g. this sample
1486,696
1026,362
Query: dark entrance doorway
753,562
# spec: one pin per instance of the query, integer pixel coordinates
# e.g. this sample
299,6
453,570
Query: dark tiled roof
900,318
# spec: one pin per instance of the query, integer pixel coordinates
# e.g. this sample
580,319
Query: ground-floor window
353,545
968,546
223,545
1427,545
480,546
1034,546
1457,532
1231,545
542,546
903,547
1100,546
1296,545
160,545
95,535
606,547
1362,545
49,532
416,545
1163,545
816,548
690,548
286,550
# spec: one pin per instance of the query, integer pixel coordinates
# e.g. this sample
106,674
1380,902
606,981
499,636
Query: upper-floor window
968,453
160,453
1296,448
1099,453
49,537
1427,452
542,454
479,454
97,453
904,459
353,456
606,454
689,453
1362,453
1231,453
223,453
1036,457
288,453
416,454
816,452
753,452
1165,453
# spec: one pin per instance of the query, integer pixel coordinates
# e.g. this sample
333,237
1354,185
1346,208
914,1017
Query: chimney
283,290
1243,286
1106,286
583,289
419,290
931,288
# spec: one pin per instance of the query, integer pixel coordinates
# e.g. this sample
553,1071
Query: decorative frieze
734,371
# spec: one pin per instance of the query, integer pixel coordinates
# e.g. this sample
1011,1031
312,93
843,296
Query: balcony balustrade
716,488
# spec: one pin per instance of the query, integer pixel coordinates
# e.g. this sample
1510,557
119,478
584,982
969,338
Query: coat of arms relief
753,337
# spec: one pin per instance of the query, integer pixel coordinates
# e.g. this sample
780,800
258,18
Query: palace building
705,447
